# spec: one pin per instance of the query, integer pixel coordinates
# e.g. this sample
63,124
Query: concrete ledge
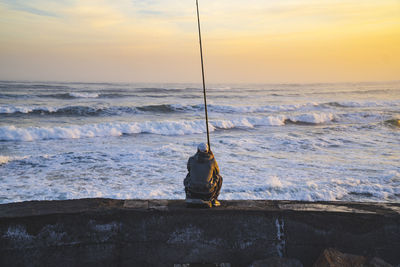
107,232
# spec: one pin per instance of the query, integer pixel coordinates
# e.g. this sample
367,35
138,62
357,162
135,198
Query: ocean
338,141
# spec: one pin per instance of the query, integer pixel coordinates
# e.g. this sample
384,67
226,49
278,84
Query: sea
313,142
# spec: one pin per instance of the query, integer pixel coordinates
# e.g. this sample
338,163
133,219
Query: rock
333,258
277,262
378,262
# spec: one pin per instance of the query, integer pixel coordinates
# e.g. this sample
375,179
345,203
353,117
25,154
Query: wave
259,109
77,95
65,111
65,96
13,96
19,109
30,85
161,90
12,133
7,159
84,95
162,108
312,106
92,111
313,118
4,159
71,95
356,92
170,108
361,104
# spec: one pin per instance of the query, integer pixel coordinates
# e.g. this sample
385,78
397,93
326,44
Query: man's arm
186,180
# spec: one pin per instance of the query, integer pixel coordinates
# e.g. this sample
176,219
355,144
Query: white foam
307,107
7,159
8,109
84,95
4,159
250,122
315,118
275,182
12,133
261,109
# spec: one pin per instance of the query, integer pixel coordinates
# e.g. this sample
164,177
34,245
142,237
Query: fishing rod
202,73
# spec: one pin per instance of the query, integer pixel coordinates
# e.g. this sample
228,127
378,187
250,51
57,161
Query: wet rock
333,258
378,262
277,262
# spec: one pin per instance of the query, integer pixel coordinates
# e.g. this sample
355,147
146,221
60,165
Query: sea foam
84,95
9,109
12,133
7,159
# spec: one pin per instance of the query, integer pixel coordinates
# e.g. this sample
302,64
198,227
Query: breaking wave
162,108
4,159
362,104
94,111
7,159
67,96
71,95
12,133
66,111
162,90
84,95
170,108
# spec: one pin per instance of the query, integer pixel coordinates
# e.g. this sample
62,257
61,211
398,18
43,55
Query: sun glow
156,41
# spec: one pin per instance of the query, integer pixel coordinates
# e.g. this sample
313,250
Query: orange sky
156,41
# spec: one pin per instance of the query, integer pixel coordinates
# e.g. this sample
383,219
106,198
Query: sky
253,41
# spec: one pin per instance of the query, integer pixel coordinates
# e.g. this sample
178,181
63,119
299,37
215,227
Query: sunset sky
253,41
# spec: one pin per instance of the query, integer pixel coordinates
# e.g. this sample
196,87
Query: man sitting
203,181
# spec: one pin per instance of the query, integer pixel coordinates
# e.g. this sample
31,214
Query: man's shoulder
192,157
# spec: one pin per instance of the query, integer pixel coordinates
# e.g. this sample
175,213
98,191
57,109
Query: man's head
202,147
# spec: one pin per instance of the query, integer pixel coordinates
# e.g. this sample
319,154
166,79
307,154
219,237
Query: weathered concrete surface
105,232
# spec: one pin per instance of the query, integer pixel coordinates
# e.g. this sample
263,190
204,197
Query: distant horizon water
208,83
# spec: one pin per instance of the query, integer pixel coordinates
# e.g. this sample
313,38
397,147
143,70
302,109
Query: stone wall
105,232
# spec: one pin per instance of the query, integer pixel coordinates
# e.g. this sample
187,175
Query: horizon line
199,82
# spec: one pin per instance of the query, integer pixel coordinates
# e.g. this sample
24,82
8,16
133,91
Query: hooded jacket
203,173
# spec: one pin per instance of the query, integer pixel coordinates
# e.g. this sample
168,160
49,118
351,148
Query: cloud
25,7
136,36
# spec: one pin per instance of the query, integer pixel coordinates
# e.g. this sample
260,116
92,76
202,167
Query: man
203,181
